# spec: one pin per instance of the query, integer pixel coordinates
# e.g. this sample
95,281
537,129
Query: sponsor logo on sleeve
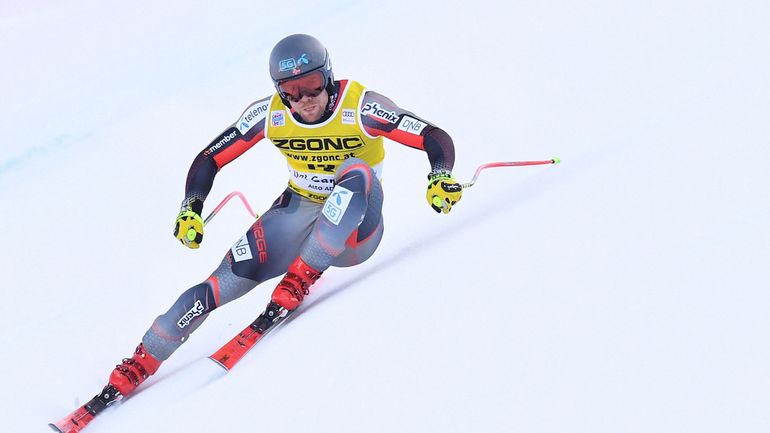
373,109
252,116
411,125
348,116
277,118
225,138
337,204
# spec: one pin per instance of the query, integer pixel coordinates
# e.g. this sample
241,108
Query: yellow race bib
314,152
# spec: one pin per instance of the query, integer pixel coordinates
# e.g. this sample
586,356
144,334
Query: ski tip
219,363
54,428
555,160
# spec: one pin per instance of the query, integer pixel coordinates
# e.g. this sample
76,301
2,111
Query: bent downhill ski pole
191,233
224,202
506,164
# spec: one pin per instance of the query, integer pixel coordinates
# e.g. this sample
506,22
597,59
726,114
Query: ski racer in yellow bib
331,133
314,152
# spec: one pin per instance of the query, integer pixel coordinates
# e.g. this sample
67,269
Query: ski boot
291,290
123,381
132,371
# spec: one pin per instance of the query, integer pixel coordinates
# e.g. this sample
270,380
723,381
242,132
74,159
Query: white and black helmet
298,55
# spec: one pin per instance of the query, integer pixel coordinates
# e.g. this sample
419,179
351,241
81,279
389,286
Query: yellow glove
443,191
189,228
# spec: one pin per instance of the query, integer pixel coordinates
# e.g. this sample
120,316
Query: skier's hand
443,191
189,228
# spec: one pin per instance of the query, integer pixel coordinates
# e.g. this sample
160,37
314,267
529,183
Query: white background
624,290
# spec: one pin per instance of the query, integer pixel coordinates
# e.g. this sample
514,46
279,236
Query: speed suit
331,211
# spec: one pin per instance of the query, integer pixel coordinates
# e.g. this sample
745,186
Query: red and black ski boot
291,290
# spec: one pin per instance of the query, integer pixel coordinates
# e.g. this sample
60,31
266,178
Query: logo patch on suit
337,204
348,116
252,116
241,250
192,313
277,118
411,125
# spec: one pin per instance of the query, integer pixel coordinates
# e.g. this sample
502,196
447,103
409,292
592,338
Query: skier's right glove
189,228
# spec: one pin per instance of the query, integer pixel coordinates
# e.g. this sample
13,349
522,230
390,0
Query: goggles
310,85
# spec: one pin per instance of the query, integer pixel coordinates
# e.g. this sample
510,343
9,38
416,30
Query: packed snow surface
623,290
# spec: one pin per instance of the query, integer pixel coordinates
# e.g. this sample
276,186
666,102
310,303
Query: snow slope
625,290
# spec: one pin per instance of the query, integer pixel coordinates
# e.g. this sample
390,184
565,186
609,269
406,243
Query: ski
77,420
227,356
235,349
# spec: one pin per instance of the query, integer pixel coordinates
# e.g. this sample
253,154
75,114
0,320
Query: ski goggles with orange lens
310,85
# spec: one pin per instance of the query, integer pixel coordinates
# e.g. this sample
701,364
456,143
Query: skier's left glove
189,228
443,191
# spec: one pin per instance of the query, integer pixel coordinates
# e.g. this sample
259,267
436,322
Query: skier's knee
355,171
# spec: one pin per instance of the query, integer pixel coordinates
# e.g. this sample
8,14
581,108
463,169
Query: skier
331,133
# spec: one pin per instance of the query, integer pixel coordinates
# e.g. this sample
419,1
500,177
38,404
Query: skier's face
307,95
311,108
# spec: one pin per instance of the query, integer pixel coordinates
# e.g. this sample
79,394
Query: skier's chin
311,113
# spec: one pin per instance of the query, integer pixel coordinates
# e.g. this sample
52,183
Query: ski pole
224,202
464,185
506,164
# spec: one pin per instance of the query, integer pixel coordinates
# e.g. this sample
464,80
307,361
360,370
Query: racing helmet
299,55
